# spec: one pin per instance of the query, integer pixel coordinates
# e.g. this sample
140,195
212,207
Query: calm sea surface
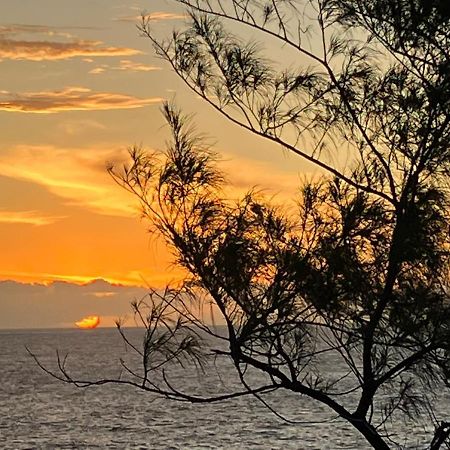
37,411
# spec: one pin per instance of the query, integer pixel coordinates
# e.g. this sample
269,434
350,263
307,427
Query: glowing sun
88,322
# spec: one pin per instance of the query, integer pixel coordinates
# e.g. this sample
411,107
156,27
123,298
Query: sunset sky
79,86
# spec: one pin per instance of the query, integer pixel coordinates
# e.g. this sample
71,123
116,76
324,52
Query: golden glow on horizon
88,322
49,278
145,279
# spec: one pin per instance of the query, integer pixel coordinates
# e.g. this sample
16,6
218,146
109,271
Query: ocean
40,412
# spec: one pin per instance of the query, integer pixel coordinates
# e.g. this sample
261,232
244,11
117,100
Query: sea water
40,412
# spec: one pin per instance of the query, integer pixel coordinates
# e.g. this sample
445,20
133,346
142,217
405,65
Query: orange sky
79,86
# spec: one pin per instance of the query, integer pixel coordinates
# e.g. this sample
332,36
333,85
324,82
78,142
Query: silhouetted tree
361,269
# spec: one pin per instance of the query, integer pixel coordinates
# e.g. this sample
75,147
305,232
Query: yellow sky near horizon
79,86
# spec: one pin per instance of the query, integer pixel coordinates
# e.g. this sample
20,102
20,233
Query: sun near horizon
88,322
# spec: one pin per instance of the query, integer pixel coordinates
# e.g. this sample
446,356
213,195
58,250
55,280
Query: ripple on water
37,412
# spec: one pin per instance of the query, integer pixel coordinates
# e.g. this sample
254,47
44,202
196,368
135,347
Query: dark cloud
60,304
49,50
15,44
69,99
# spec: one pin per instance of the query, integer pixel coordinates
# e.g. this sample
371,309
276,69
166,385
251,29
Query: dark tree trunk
441,434
371,435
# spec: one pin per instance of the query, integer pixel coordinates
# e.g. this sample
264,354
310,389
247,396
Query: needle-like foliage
360,270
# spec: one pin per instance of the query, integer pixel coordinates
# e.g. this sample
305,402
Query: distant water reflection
38,412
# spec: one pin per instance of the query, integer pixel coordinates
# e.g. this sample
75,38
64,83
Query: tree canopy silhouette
360,270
